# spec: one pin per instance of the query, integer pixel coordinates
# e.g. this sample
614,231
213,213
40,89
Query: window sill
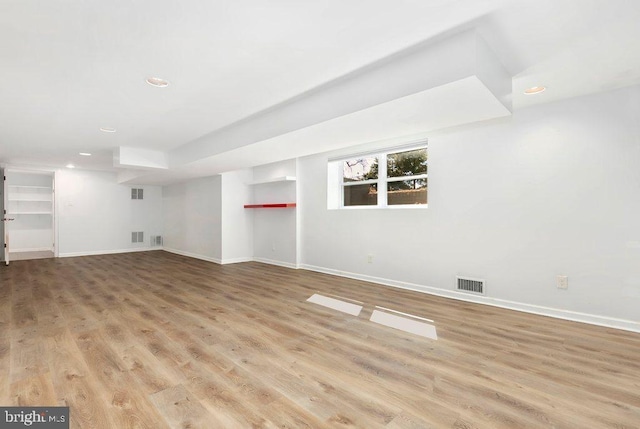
395,207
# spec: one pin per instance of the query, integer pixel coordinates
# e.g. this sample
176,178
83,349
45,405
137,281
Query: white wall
96,215
237,222
206,218
554,190
275,229
192,216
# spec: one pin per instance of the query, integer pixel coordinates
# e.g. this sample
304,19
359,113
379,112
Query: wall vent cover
137,237
156,240
137,193
466,284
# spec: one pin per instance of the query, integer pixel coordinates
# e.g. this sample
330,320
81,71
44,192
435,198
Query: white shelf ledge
30,187
29,213
38,249
273,180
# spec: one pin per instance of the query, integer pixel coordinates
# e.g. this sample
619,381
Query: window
392,178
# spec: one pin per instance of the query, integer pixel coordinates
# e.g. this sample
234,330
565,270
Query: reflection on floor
384,316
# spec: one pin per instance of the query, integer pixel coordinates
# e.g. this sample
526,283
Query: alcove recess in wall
29,205
283,179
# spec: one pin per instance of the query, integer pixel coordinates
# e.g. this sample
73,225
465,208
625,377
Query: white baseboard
192,255
278,263
230,260
107,252
236,260
609,322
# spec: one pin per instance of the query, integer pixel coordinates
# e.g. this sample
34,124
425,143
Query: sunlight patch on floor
407,323
336,304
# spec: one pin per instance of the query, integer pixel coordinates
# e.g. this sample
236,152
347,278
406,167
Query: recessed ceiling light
85,154
107,130
71,166
156,81
535,90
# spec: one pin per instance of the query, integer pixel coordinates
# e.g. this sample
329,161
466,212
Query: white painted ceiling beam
412,71
139,158
396,122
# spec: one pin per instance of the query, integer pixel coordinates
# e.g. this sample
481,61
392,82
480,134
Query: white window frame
382,179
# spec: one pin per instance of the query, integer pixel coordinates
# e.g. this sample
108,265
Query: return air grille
137,193
466,284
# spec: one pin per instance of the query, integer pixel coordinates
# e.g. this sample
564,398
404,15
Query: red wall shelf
269,206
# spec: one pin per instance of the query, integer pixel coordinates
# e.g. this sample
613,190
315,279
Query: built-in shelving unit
272,180
29,200
29,204
274,214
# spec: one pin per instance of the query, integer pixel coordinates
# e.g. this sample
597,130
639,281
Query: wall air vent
466,284
156,240
137,237
137,193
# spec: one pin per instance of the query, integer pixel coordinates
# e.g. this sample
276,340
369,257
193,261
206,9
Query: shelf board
270,206
30,187
39,249
273,180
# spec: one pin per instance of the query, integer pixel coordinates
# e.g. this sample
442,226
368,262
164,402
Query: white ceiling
69,68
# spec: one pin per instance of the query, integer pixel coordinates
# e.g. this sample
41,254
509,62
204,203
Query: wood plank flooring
156,340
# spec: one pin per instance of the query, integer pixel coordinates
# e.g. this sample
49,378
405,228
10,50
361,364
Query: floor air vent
466,284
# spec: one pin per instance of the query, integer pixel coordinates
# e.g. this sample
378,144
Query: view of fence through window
402,180
407,183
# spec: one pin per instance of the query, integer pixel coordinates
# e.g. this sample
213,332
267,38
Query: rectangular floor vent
156,240
466,284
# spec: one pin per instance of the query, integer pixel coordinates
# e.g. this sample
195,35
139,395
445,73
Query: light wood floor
155,340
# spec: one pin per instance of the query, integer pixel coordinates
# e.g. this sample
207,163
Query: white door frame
5,238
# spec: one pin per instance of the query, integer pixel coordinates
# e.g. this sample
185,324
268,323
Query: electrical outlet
369,259
562,282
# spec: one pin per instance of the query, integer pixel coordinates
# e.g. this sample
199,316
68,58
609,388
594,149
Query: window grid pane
407,192
361,195
358,169
408,163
